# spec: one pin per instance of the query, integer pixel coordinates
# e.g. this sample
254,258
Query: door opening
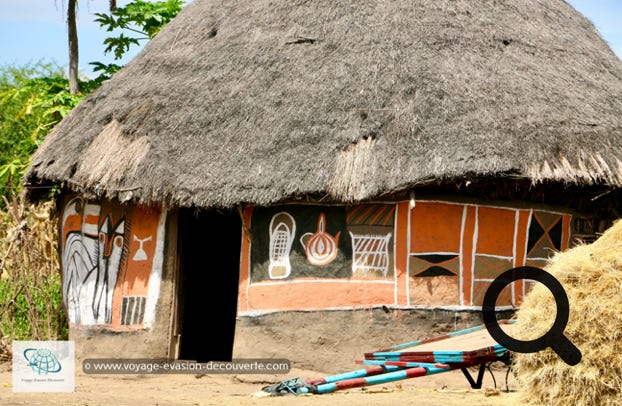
210,243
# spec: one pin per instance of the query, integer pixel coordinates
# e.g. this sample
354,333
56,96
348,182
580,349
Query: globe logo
42,361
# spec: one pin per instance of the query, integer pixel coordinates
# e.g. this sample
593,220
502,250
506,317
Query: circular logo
42,360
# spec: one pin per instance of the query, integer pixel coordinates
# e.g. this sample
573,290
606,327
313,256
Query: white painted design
78,263
110,249
90,211
320,247
140,254
91,260
282,231
334,281
461,279
153,291
370,253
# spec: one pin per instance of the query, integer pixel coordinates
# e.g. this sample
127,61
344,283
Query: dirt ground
450,388
334,342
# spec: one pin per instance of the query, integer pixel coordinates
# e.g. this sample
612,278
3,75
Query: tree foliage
35,97
138,17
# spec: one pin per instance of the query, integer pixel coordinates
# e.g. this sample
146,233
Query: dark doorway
210,267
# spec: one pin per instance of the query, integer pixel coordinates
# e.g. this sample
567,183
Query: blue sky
31,30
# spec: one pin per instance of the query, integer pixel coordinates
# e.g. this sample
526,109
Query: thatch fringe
355,167
267,100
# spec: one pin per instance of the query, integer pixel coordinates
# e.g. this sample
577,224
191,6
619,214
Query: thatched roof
259,101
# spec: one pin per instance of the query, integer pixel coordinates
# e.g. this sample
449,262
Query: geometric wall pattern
430,254
545,234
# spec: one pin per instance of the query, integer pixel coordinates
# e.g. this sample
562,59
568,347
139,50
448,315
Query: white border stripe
527,241
395,255
461,255
153,290
412,254
495,256
408,241
516,219
336,280
474,250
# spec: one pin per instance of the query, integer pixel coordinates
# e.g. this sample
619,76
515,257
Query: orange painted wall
310,294
486,241
495,231
109,256
135,275
435,227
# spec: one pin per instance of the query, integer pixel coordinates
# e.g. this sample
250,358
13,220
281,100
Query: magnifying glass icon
554,338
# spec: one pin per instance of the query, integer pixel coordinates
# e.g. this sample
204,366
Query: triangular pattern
536,232
545,234
435,265
436,271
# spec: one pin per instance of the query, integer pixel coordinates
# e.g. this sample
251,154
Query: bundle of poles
403,361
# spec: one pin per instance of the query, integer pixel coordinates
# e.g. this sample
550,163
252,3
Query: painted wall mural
282,232
433,254
370,253
297,241
112,262
320,247
371,228
457,250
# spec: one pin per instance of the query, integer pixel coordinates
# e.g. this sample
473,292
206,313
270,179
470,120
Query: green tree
32,99
142,18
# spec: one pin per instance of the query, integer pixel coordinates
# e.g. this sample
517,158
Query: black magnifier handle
554,338
566,350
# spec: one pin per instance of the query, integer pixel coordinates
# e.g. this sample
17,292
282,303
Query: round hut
294,174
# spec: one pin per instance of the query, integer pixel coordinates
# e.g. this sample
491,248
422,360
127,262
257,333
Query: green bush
33,98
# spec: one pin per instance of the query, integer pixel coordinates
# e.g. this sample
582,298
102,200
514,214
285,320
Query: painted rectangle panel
317,295
490,267
479,290
435,227
495,231
434,292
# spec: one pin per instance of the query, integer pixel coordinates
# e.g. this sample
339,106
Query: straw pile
592,278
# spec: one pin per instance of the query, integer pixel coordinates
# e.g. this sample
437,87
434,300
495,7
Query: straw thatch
259,101
592,278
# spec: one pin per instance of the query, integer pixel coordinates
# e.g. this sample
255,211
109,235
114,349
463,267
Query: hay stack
592,277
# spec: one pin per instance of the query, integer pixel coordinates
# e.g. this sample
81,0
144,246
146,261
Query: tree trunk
113,6
74,87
